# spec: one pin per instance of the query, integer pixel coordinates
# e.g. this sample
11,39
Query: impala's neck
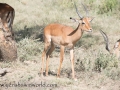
77,34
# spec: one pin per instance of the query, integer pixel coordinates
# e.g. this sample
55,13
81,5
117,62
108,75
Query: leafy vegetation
107,6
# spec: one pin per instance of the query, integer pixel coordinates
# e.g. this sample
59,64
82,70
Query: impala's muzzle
90,30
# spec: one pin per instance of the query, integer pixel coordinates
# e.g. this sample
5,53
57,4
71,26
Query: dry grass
95,68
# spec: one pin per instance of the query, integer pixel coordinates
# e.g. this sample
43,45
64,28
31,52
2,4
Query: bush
105,62
107,6
29,49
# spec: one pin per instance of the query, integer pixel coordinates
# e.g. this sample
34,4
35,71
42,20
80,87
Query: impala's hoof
58,76
42,75
75,79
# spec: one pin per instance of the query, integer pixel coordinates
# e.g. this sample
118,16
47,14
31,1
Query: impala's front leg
72,62
61,59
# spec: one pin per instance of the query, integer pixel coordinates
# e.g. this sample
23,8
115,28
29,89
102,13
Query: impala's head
83,21
117,45
116,48
85,24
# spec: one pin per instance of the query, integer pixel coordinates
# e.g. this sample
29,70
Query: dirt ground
26,76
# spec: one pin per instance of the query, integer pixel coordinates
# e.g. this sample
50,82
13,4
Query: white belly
56,40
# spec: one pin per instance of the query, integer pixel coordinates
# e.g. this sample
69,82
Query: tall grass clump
108,65
87,41
29,49
103,62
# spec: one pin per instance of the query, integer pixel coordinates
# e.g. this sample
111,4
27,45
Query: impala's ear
74,19
90,19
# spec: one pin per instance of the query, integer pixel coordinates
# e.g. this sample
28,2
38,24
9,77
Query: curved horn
77,11
85,9
106,40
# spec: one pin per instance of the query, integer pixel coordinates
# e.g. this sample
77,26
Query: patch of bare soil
25,76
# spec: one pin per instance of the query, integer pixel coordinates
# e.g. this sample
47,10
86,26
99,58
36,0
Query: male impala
116,47
64,36
7,14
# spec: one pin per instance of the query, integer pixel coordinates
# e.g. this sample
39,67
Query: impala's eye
83,23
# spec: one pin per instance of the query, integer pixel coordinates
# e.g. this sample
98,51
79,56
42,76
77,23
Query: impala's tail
106,40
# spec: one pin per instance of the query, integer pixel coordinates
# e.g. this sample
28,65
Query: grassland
95,68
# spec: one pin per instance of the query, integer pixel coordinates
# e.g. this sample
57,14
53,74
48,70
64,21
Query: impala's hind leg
48,55
46,47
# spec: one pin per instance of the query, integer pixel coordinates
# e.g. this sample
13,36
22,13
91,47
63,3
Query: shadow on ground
35,32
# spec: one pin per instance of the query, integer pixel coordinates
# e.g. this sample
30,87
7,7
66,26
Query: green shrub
105,62
91,1
107,6
113,73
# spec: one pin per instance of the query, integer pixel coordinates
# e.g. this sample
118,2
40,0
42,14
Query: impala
64,36
7,14
116,47
8,49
